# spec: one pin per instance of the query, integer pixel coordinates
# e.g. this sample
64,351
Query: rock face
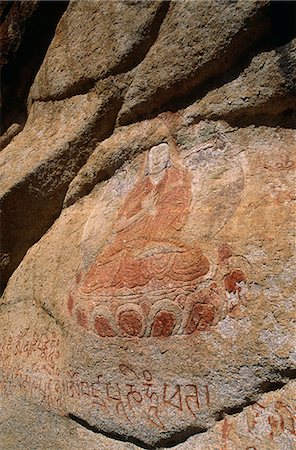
94,40
266,85
148,221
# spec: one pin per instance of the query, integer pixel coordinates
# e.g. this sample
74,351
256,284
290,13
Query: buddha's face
158,159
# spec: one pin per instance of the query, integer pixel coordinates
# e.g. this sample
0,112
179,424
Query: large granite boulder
148,224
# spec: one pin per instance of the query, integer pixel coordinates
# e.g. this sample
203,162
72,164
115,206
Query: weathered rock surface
12,131
94,40
155,264
56,141
123,145
206,46
150,260
267,424
267,86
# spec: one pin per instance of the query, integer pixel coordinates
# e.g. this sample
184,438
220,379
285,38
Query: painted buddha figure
138,276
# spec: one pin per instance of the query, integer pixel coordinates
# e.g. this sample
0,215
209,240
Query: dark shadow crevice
176,439
258,117
5,7
283,22
23,51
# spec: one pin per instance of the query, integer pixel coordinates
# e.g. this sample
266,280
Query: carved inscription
44,347
131,396
37,381
281,418
273,417
139,395
149,281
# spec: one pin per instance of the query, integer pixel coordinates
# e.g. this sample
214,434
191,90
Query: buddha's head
158,159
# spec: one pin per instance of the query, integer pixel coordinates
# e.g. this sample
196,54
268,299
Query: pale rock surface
151,264
56,140
124,144
268,424
267,85
160,311
205,46
93,40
